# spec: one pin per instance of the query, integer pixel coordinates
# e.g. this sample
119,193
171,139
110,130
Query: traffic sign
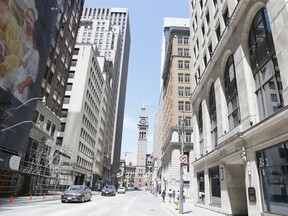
183,159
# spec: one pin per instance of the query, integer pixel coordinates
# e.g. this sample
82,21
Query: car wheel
82,199
63,201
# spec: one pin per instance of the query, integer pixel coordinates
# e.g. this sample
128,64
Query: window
186,40
76,51
231,93
186,64
214,177
48,125
69,86
62,127
180,91
73,62
66,100
180,39
264,65
180,52
53,130
187,78
272,164
187,106
180,78
64,113
180,64
180,106
71,74
187,121
186,52
213,117
187,91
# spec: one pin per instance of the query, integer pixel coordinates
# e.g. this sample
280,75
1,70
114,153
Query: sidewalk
188,208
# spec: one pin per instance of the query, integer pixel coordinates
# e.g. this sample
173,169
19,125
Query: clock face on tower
143,121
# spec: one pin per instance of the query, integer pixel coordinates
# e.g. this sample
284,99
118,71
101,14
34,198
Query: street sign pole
181,170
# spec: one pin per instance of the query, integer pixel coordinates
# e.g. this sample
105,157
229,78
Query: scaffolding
50,163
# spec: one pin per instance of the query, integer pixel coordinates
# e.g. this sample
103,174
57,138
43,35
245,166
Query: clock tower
140,175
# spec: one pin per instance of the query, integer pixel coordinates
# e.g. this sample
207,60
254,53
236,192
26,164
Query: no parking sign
183,159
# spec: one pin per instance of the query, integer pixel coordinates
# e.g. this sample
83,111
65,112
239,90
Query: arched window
213,117
200,119
200,126
231,93
264,65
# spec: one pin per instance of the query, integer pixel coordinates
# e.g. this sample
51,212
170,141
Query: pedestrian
183,197
170,195
178,195
163,195
173,195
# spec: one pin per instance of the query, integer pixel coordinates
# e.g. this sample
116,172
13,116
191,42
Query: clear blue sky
143,85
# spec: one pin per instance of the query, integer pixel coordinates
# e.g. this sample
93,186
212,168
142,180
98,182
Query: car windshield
75,188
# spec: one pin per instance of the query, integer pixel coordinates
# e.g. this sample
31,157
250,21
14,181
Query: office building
239,98
109,30
174,128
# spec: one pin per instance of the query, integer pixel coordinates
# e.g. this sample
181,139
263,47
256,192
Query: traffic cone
30,198
43,196
10,200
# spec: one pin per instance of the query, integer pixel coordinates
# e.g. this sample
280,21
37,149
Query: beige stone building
240,98
175,107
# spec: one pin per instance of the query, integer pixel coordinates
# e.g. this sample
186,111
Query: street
132,203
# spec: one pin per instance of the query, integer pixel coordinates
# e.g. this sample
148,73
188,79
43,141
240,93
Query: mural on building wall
26,28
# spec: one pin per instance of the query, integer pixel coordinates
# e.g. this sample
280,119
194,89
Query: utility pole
181,169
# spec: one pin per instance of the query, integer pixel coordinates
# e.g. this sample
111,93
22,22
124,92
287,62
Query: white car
121,190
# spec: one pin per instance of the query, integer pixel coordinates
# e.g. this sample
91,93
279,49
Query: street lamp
181,169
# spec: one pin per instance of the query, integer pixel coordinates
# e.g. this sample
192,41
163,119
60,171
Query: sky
144,73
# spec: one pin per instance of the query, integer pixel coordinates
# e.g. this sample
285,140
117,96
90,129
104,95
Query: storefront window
215,185
273,171
201,186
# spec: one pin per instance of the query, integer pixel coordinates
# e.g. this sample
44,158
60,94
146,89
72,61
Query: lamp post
181,170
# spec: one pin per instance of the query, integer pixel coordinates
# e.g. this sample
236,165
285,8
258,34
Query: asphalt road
132,203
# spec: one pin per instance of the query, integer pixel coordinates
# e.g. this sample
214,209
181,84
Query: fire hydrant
176,205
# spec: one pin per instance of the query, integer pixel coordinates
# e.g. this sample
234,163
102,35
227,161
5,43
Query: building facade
53,30
239,85
109,30
175,111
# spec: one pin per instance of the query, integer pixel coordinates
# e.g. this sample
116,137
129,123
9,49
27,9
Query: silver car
109,190
76,193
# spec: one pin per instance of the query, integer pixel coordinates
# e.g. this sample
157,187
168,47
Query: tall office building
85,119
174,117
109,30
240,102
28,157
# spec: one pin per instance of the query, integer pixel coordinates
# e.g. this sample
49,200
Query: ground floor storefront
247,174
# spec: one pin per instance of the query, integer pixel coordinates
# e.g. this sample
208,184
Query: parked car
109,190
121,190
76,193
